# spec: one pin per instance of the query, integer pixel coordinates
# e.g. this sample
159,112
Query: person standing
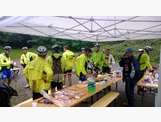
98,58
26,58
6,64
128,62
144,60
55,62
39,73
67,62
109,61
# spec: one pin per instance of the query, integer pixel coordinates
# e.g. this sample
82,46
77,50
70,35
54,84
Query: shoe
26,86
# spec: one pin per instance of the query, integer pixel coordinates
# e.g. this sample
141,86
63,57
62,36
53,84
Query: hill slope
118,48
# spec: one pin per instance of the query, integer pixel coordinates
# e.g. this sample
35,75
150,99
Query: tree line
19,40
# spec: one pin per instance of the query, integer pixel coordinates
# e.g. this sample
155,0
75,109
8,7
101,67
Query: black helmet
88,50
55,47
148,48
24,48
7,48
42,50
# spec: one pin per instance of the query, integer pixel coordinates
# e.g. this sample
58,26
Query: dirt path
18,83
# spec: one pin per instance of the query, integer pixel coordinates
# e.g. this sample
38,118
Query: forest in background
117,48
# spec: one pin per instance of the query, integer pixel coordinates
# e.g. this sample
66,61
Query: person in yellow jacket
81,64
98,58
144,59
144,62
39,73
6,64
0,65
55,62
26,56
67,62
109,61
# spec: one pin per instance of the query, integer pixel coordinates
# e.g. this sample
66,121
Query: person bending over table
144,63
81,64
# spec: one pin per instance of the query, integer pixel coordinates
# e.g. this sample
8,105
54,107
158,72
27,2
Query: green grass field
15,53
117,48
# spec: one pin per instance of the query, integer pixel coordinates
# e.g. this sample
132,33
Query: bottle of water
91,85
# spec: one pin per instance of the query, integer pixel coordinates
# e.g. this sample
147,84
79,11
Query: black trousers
59,85
129,90
138,75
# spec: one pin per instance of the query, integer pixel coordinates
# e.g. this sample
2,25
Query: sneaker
27,86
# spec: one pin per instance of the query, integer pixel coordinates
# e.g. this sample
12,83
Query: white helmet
42,50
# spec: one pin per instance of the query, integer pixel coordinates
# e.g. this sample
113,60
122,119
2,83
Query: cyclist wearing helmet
26,56
144,60
81,64
67,62
6,64
109,62
55,63
98,58
39,73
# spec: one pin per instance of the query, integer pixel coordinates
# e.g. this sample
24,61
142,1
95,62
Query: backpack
6,92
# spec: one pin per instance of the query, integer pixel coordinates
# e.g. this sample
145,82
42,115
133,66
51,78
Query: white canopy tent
87,28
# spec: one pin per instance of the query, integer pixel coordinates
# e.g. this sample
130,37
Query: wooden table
147,85
74,102
143,87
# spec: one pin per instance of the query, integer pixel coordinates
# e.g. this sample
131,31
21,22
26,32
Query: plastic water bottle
91,85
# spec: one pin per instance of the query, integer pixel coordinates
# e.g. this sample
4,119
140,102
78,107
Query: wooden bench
106,100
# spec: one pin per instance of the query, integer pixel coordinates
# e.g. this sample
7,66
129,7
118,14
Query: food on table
151,77
99,77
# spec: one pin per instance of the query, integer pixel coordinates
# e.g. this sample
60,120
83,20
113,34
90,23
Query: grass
16,53
117,48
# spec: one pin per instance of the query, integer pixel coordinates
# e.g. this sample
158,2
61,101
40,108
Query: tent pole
158,95
96,39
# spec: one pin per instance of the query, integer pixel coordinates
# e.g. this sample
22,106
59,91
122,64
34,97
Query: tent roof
86,28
